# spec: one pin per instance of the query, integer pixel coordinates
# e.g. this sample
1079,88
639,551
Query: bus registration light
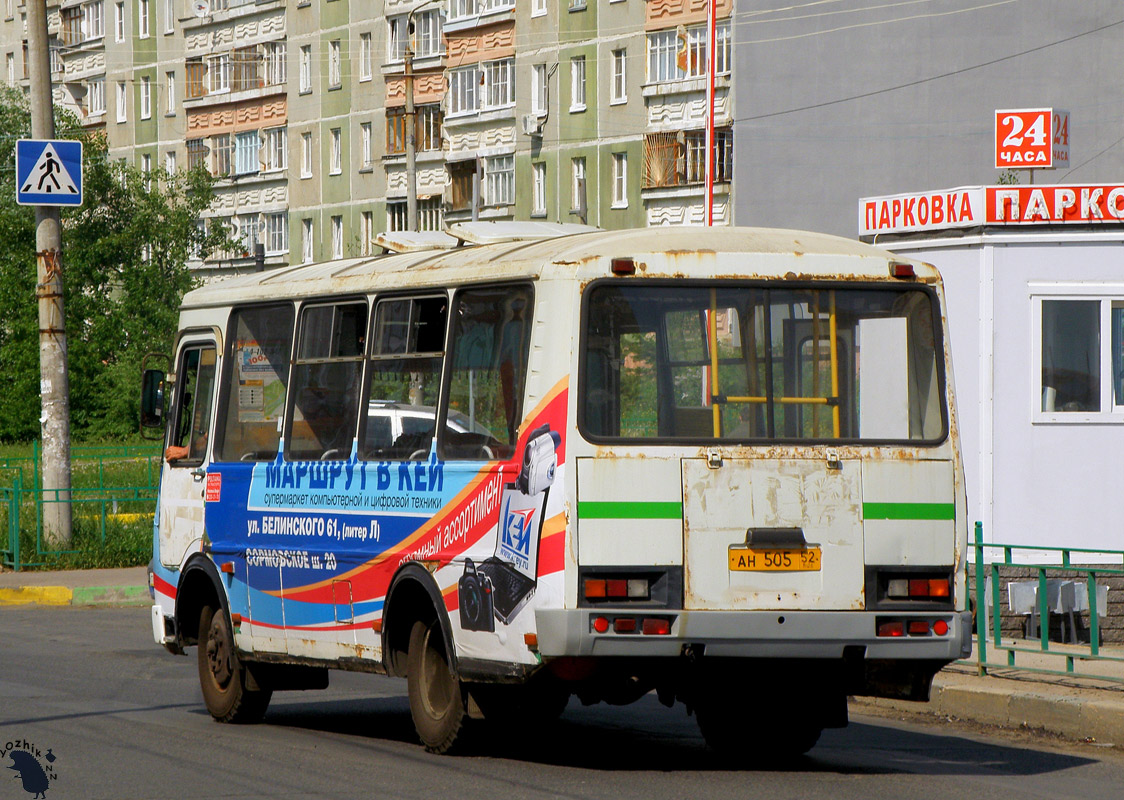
654,626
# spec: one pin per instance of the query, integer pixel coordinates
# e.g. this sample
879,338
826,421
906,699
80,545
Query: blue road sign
48,172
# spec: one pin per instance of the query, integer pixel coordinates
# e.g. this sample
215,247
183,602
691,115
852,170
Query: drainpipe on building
712,49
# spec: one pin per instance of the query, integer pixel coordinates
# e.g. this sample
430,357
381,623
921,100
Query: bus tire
436,698
221,675
734,731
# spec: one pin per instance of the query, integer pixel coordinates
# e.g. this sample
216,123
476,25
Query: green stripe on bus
940,511
589,509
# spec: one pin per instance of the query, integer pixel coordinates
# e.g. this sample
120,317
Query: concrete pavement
1088,709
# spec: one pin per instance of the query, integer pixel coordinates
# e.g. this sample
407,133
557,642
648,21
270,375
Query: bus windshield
745,362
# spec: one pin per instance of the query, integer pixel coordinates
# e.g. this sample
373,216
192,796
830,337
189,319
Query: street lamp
411,117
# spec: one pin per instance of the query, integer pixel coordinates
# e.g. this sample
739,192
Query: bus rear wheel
436,699
221,675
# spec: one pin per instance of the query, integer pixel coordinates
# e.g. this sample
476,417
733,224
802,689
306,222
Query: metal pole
711,68
54,389
411,143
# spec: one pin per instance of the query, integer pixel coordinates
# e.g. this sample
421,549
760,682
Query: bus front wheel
221,675
436,699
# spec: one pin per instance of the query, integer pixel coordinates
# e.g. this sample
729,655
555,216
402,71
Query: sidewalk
1076,708
93,587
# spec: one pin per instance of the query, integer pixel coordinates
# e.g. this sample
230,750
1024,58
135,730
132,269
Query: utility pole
54,387
411,119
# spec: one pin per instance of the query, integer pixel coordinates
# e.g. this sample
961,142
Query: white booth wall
1033,478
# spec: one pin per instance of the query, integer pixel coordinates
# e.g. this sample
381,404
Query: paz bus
721,466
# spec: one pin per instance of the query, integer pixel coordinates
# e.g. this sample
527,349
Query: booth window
1081,359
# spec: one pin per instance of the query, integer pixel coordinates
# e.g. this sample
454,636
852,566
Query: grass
114,497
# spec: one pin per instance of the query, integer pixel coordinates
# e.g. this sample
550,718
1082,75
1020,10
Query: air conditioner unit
532,124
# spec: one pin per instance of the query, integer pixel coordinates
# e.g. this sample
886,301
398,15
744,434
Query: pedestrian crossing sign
48,172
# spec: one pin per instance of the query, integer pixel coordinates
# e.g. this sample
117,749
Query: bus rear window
749,362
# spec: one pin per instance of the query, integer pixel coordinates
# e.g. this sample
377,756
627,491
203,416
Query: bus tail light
624,625
919,627
617,588
940,627
596,589
900,269
601,624
623,266
912,587
891,628
655,626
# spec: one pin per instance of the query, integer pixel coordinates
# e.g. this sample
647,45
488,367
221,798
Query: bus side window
407,351
188,445
324,388
256,376
490,345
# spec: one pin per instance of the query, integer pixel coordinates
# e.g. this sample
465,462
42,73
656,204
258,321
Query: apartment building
563,110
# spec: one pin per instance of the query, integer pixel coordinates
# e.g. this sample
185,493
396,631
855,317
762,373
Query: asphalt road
125,719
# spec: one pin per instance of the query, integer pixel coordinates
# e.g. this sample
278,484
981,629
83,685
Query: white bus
719,465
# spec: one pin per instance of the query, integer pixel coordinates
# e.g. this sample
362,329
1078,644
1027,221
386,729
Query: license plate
760,559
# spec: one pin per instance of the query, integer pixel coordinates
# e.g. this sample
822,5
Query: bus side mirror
152,399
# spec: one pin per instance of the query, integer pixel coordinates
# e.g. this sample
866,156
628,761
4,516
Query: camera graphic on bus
500,587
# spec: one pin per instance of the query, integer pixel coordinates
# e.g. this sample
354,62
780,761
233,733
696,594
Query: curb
82,596
1078,716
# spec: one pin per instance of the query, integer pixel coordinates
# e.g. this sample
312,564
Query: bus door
184,482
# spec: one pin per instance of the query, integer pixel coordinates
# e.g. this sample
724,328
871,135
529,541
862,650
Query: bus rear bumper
754,634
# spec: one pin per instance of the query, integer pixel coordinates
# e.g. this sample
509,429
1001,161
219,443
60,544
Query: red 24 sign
1030,138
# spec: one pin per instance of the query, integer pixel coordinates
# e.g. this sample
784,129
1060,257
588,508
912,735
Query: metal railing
1038,654
108,484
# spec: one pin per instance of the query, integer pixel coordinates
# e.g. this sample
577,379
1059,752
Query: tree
125,254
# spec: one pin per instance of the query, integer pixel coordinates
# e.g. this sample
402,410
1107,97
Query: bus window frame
765,283
194,338
218,434
287,421
447,378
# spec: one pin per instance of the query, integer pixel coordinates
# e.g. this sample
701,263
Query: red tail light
891,629
624,625
656,627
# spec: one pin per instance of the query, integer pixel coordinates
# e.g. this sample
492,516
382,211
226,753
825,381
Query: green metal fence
1039,654
110,486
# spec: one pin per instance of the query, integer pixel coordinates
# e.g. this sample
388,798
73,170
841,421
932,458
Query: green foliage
125,255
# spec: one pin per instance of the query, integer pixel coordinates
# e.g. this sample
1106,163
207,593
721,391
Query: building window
170,162
170,94
249,232
427,34
499,180
246,63
462,90
142,18
146,98
366,232
276,233
337,238
146,171
306,155
499,83
675,54
620,180
169,16
396,38
119,22
222,147
335,73
619,87
395,130
538,8
306,68
462,176
95,97
1079,343
276,57
431,216
308,248
577,83
71,25
195,78
10,59
218,73
246,146
429,127
538,89
276,149
196,153
365,144
336,167
675,159
538,186
364,56
577,185
122,101
93,20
